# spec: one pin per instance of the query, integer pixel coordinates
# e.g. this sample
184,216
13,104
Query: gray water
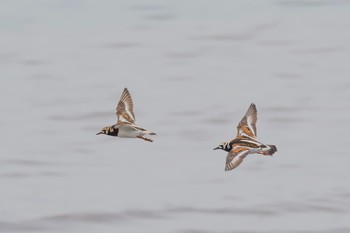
193,68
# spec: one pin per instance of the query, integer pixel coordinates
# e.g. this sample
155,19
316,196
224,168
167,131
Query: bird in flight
126,126
245,142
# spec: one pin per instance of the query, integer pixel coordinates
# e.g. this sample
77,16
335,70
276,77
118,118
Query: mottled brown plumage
125,108
247,126
245,142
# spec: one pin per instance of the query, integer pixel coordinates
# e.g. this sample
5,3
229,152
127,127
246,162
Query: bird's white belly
254,150
129,132
259,150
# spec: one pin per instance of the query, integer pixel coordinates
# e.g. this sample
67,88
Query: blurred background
192,68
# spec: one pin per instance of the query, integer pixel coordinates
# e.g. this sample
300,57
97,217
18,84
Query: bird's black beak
216,148
99,133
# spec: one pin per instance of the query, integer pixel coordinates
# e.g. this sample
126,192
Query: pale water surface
193,68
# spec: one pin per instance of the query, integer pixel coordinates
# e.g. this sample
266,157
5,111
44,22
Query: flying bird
245,142
126,126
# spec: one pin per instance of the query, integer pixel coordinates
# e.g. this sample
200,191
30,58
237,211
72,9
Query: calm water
193,68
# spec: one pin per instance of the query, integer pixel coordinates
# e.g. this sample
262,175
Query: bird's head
224,146
105,130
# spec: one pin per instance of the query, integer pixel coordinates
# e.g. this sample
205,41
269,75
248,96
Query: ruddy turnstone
245,142
126,126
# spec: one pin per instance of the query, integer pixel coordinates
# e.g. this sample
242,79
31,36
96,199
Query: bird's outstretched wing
124,111
235,157
247,126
